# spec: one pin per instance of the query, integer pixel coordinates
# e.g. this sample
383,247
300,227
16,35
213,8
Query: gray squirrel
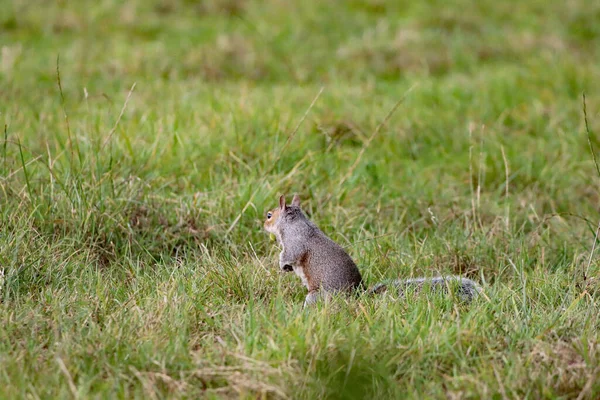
324,266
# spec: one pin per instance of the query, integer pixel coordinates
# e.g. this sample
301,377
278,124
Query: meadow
143,141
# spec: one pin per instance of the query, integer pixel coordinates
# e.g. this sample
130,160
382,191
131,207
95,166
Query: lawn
143,141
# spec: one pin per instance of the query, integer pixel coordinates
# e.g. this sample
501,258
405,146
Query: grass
143,142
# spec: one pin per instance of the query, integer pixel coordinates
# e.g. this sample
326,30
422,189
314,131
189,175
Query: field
143,141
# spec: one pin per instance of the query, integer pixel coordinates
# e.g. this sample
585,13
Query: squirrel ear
282,202
296,201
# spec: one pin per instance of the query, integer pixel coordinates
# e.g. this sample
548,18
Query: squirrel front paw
286,267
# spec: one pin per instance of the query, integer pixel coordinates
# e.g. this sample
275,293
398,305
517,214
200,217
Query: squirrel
326,268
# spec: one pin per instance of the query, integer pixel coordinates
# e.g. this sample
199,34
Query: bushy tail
466,289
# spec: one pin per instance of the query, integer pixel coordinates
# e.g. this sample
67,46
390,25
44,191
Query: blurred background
285,42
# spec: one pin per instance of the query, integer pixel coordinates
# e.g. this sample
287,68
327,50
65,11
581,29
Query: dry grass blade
64,108
589,135
589,138
587,268
114,128
274,163
68,377
375,132
291,135
5,144
506,171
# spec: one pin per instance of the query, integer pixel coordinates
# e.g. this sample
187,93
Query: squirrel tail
466,289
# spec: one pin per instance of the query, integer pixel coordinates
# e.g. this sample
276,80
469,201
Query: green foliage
144,140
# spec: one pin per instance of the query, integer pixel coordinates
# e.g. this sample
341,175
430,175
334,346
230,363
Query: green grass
132,260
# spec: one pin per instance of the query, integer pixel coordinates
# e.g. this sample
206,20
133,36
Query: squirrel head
282,214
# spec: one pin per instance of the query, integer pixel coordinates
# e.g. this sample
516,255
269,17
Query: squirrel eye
269,215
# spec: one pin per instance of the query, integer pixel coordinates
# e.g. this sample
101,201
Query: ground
143,141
